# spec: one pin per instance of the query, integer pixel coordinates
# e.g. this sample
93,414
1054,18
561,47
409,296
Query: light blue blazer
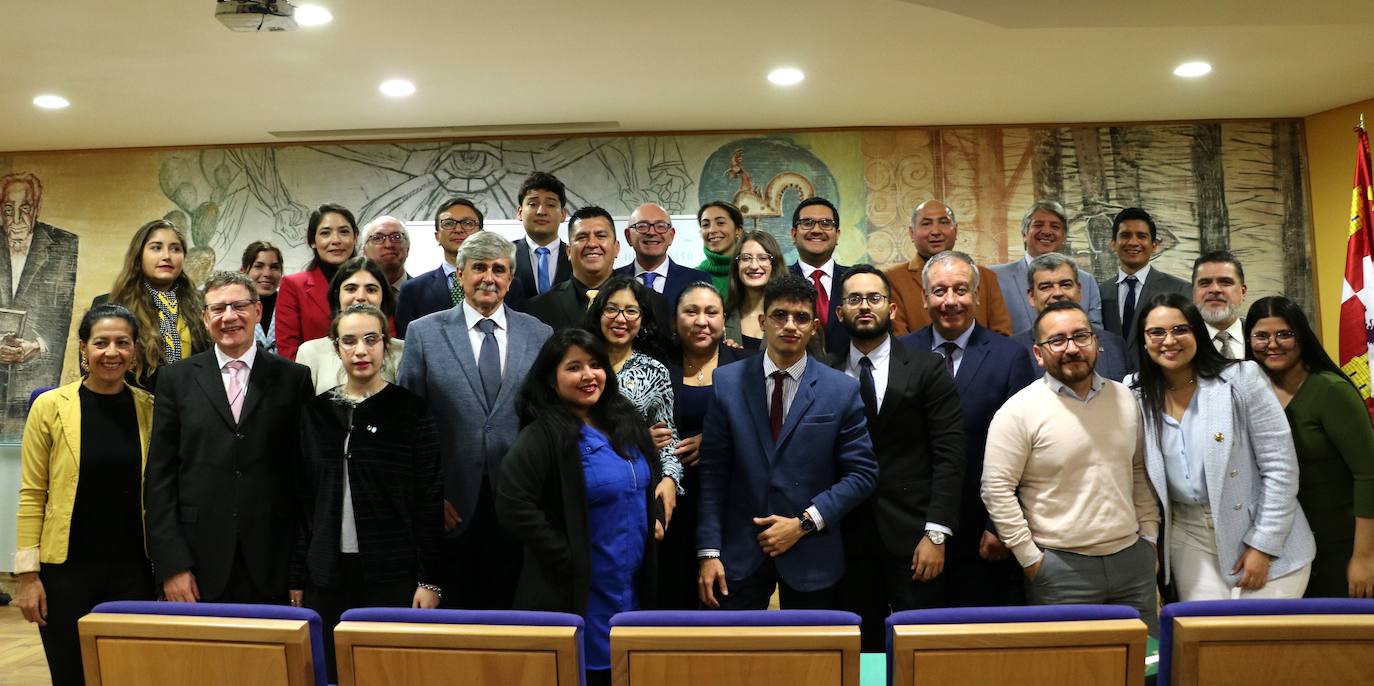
1011,278
1251,469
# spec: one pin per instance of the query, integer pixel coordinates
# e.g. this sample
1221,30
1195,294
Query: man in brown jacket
934,229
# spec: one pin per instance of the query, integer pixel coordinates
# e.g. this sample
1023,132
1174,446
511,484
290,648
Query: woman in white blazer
1221,459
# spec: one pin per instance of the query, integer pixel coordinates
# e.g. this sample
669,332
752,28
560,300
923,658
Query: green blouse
1335,444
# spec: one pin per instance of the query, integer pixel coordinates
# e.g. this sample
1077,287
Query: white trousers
1196,570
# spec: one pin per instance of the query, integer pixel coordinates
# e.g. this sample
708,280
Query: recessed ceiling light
313,15
397,88
786,76
51,102
1192,70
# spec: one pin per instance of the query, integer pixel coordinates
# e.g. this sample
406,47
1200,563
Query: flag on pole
1357,294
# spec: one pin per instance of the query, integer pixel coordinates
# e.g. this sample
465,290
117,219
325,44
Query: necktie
775,409
591,295
1128,307
822,298
489,361
948,348
542,278
455,289
867,390
236,389
1223,340
649,278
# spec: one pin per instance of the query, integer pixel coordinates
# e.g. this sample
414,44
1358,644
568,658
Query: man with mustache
934,229
1044,228
650,234
1134,240
1054,278
1078,514
1219,292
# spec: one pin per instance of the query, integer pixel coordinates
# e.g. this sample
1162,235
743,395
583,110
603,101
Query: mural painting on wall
1237,186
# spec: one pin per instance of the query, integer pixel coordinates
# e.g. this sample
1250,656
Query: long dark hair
649,340
1310,351
346,271
313,226
734,298
538,400
129,292
1207,362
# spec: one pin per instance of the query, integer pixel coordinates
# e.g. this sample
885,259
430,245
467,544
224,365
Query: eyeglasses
351,342
468,225
809,223
239,307
1262,338
1059,344
651,227
753,259
380,238
1157,334
856,299
611,312
780,317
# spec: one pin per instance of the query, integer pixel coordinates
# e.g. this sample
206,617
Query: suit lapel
212,384
755,397
521,349
1214,410
69,411
522,268
974,354
261,378
898,378
7,294
39,251
461,346
801,402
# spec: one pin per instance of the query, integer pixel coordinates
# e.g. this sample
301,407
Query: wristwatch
936,537
808,525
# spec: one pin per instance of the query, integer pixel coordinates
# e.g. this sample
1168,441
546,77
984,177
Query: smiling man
1219,291
1044,229
934,229
1135,238
816,233
387,242
650,234
541,257
1054,278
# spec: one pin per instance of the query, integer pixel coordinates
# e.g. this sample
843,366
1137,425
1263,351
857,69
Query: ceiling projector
256,15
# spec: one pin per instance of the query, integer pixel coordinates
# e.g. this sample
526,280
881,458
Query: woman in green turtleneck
721,226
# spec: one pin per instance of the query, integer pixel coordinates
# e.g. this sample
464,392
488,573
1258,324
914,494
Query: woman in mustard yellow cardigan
80,524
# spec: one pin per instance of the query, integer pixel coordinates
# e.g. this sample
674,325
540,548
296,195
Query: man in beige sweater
1064,477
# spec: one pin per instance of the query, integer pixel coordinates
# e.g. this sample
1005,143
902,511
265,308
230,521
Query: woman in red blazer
303,301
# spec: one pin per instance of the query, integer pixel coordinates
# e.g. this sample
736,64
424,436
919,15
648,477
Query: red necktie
822,298
775,411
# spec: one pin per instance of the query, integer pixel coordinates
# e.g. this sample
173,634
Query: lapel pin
373,429
1219,437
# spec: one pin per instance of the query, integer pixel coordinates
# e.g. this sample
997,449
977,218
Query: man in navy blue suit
815,233
988,368
650,234
785,455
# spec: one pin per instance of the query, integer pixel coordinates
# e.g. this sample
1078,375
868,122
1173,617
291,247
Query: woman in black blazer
371,494
578,491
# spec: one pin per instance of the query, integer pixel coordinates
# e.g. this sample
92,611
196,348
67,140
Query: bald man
650,234
387,242
933,230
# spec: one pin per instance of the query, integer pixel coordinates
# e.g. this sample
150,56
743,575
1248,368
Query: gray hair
948,210
485,245
949,256
227,278
1051,206
1049,262
378,222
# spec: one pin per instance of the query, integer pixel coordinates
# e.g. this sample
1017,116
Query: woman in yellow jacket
80,524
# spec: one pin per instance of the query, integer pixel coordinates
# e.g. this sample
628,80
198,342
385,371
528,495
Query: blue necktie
489,361
542,278
649,278
1128,307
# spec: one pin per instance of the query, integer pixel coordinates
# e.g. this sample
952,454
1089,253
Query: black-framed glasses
380,238
1059,344
1157,334
810,223
631,313
651,227
238,306
856,299
1284,336
780,317
468,225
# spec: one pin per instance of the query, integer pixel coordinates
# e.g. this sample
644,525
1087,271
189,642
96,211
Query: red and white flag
1357,295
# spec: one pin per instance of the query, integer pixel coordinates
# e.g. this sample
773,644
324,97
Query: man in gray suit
469,362
1134,240
1044,228
1054,278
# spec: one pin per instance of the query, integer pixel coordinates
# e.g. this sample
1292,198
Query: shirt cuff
932,526
1027,553
26,560
1153,540
816,517
1038,557
707,552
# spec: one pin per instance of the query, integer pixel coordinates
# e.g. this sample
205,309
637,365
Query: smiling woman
303,306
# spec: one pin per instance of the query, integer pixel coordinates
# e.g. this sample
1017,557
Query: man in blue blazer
1054,278
988,369
650,234
468,362
440,289
815,233
785,455
1044,228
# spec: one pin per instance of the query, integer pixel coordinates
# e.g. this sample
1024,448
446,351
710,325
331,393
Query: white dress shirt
937,340
827,273
1122,289
475,335
1237,332
880,357
554,248
247,358
661,270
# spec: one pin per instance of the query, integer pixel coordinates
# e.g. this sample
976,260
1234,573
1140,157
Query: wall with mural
1240,186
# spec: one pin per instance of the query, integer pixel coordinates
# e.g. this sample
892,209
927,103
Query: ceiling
150,73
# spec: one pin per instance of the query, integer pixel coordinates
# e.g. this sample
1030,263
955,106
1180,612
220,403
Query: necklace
1191,381
701,369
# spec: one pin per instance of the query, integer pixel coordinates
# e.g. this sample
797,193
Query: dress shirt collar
661,269
471,316
248,358
936,339
795,371
828,269
878,356
1062,389
552,245
449,269
1139,275
1236,329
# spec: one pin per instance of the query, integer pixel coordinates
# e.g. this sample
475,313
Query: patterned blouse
645,382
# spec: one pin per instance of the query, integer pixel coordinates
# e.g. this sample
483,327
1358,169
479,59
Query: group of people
527,426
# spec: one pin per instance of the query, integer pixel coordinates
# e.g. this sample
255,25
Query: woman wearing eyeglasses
357,281
721,225
1220,457
758,263
303,311
1335,445
374,509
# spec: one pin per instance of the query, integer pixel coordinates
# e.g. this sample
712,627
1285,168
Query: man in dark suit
895,541
988,368
1052,278
470,378
438,290
1134,240
815,233
785,456
650,234
541,258
220,490
592,249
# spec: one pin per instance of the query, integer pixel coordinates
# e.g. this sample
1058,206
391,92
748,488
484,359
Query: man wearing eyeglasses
650,234
1076,510
785,456
1054,278
387,242
816,233
220,482
895,540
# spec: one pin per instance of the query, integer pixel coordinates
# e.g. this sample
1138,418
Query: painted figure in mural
387,242
38,279
758,202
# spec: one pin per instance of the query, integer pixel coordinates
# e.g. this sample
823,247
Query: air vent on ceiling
459,131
